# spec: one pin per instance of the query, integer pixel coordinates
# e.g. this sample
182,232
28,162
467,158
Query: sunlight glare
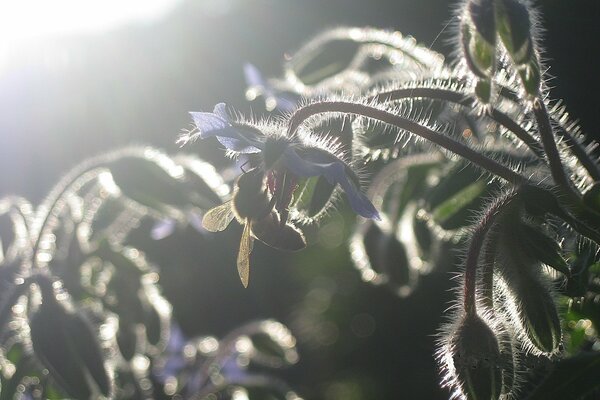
25,19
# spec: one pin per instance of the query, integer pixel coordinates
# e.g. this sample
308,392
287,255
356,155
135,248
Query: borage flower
265,193
291,158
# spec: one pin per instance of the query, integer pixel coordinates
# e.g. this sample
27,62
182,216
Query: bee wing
243,260
218,218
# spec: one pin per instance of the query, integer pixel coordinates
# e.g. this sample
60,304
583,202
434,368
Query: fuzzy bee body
252,207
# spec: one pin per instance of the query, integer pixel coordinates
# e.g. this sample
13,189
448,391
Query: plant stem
579,152
556,167
574,145
445,142
460,98
10,297
477,241
83,173
487,273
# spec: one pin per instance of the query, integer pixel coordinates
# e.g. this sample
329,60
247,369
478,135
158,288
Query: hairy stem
487,273
590,165
432,136
556,167
579,152
12,295
77,177
465,101
477,242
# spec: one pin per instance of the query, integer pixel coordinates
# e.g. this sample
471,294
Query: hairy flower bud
513,21
481,22
471,356
526,295
539,316
514,28
479,46
483,90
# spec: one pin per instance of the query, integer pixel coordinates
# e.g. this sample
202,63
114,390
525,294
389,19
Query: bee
253,207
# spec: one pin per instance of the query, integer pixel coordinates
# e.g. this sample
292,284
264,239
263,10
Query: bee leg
243,165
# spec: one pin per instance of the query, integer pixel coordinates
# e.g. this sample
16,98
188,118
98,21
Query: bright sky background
26,19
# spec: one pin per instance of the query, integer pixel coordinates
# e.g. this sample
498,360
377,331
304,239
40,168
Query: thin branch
590,165
465,101
556,167
445,142
477,242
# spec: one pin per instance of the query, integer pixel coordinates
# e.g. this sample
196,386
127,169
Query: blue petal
358,201
253,76
211,124
254,79
216,124
220,110
238,145
315,162
163,229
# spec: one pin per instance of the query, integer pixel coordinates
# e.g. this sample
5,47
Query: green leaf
321,196
54,348
583,261
446,213
570,378
153,180
313,196
85,343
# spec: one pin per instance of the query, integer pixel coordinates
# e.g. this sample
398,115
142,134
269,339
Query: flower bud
538,315
483,90
473,360
479,53
528,299
514,28
481,14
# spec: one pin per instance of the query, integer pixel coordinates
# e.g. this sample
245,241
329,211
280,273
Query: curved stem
465,101
366,37
12,294
78,176
445,142
487,273
477,241
79,180
556,166
579,152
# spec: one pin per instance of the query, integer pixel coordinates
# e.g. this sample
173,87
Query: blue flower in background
259,86
283,155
